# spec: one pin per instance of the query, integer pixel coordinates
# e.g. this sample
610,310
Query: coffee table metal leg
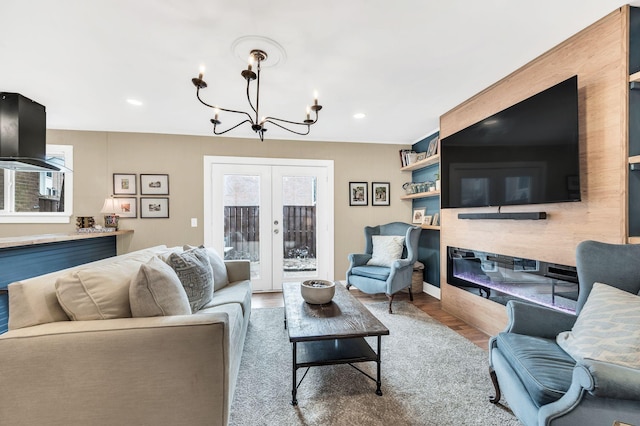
294,388
378,382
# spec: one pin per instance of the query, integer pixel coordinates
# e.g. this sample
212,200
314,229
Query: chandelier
257,124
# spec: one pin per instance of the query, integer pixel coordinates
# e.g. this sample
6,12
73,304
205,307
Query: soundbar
512,216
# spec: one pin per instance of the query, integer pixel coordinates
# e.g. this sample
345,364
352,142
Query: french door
276,213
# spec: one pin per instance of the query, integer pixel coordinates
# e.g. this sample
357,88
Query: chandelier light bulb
308,111
201,73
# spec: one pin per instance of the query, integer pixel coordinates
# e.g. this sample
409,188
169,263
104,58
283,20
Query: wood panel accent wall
599,56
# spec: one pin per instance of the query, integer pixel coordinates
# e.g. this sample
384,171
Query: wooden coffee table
330,334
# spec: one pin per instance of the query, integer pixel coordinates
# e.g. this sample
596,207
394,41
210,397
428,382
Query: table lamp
110,208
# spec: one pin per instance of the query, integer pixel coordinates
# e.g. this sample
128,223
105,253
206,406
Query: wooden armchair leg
410,294
496,386
390,296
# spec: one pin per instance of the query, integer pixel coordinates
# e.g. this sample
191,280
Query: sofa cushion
220,277
98,292
164,254
156,291
33,301
386,249
236,292
543,367
194,271
376,272
607,328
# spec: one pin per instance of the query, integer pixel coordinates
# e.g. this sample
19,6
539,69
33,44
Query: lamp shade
110,206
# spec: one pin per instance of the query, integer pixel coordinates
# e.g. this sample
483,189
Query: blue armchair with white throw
554,368
386,266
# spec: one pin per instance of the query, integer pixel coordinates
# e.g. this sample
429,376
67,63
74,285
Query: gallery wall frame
358,194
154,184
154,207
380,194
127,207
124,184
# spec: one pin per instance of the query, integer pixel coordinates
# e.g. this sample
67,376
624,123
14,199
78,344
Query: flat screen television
525,154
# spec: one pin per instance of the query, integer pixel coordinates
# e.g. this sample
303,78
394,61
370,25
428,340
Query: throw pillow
607,329
386,250
194,271
97,292
157,291
220,277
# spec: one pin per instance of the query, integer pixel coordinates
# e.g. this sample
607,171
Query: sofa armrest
238,270
535,320
160,370
611,380
358,259
616,392
402,263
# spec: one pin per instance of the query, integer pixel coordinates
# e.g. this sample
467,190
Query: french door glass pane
241,195
299,226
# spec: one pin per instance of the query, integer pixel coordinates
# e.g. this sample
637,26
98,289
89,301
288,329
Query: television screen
525,154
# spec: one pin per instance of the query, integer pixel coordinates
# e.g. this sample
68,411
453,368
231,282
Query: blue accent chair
542,384
380,279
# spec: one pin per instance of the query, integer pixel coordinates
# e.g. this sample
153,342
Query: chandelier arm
251,103
298,123
223,109
231,128
269,120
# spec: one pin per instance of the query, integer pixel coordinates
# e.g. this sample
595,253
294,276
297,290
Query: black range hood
23,127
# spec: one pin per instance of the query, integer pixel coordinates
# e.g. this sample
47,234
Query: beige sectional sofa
162,370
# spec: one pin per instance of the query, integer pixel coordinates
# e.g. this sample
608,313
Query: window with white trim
39,197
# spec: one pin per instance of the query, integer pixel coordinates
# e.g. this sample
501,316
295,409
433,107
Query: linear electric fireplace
502,278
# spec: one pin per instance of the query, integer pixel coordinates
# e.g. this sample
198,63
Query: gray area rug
430,376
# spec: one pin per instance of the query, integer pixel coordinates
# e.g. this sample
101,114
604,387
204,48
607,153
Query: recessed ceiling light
359,115
134,102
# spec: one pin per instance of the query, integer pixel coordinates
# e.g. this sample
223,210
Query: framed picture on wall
154,208
358,194
127,207
124,184
154,184
380,193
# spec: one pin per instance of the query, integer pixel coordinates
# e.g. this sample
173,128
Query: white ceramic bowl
317,292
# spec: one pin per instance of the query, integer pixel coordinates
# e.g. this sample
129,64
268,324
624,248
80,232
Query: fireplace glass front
502,278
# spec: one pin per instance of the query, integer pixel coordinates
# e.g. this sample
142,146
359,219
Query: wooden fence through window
242,232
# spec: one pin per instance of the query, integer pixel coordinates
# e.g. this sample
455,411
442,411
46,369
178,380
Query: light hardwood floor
428,304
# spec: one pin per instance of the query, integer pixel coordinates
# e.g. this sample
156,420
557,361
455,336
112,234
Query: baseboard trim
431,290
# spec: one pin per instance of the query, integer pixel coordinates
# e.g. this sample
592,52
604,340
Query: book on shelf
407,156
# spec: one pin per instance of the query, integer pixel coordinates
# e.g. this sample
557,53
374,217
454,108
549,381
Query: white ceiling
403,62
